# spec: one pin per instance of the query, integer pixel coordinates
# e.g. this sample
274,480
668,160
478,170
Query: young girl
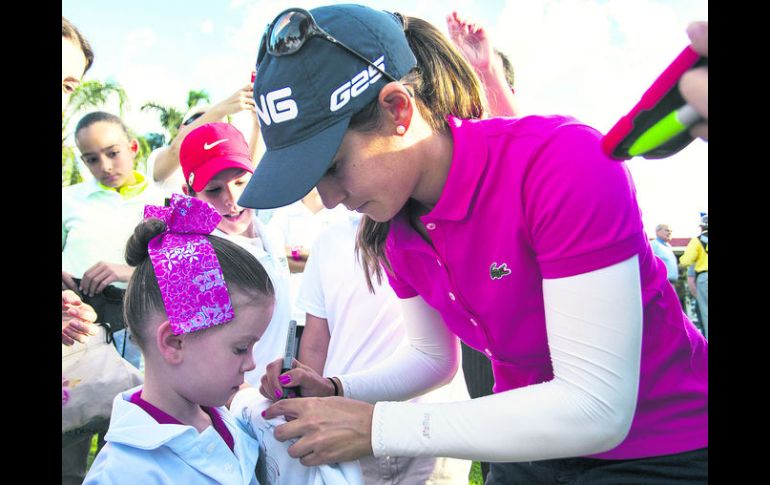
216,163
516,235
97,219
196,305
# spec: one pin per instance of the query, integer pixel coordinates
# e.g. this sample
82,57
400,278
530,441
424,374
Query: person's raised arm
472,41
167,158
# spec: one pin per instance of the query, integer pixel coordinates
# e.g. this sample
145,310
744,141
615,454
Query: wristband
336,388
295,253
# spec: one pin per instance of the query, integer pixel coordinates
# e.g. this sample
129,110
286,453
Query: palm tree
171,117
89,94
195,97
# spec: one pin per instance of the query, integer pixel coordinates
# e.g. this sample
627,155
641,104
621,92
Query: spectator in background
218,175
349,329
76,58
163,163
694,84
300,223
697,253
693,290
492,66
661,246
77,317
97,219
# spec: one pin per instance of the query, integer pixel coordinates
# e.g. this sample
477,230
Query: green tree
170,116
88,94
195,97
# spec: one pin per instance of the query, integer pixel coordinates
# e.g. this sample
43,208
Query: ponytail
444,83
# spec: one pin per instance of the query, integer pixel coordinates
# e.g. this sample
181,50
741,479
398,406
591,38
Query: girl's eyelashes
241,350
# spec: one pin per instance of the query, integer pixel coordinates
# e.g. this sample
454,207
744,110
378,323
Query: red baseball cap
211,148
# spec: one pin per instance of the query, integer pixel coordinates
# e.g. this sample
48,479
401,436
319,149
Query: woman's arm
594,327
429,361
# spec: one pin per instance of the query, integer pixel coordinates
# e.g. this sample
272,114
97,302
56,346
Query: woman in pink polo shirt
516,235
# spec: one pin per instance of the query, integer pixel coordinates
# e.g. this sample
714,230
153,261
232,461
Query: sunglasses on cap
292,28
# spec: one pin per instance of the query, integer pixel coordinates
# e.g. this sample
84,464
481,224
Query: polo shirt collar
459,190
465,172
127,191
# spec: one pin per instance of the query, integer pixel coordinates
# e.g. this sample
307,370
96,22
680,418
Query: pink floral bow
186,267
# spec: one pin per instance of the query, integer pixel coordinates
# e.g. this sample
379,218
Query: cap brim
287,174
212,167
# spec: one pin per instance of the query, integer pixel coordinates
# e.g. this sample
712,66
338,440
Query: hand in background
77,319
694,84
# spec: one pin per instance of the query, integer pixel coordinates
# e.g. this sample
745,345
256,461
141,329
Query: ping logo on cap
277,106
341,96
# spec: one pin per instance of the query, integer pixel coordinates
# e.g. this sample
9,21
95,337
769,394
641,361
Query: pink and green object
670,126
186,267
657,126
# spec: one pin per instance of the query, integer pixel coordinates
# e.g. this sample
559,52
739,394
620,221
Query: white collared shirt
96,224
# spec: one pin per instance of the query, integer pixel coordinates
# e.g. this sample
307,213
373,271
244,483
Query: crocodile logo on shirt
497,272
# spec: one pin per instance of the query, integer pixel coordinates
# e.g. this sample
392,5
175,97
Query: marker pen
671,125
289,354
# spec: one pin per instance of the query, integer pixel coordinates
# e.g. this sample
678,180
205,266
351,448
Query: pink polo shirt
533,198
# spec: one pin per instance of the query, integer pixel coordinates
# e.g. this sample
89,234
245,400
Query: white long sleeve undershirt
594,329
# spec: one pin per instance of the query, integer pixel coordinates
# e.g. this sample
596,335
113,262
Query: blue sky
591,59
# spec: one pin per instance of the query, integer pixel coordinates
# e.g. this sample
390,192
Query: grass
475,478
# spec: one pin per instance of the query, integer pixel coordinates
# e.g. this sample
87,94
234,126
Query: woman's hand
307,380
694,84
329,430
76,319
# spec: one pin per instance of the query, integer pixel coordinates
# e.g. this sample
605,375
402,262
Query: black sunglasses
292,28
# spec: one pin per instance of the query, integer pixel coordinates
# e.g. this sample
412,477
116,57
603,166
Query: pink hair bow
186,266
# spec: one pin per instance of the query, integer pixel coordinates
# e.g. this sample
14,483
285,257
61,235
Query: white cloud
137,42
207,27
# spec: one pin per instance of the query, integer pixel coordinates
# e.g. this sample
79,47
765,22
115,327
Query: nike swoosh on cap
207,146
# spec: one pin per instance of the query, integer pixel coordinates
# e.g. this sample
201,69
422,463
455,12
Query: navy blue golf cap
305,100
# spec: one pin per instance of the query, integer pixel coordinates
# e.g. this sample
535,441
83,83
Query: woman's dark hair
240,269
443,83
69,31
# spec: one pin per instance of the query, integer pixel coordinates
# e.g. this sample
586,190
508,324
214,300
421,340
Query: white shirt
300,227
96,224
268,248
171,184
365,328
140,450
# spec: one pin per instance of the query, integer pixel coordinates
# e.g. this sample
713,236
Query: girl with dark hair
516,235
196,304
